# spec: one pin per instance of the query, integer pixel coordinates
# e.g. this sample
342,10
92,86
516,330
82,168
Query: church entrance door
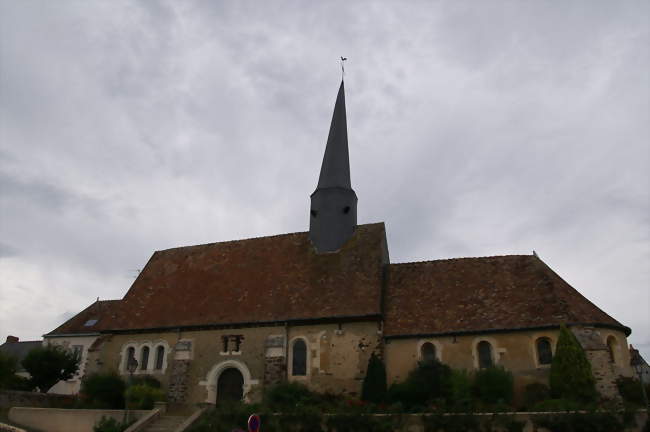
230,385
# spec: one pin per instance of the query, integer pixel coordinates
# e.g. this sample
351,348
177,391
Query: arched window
612,347
160,356
130,354
484,354
544,352
144,358
299,360
428,352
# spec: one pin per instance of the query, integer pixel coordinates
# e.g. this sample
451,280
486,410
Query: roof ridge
459,259
255,238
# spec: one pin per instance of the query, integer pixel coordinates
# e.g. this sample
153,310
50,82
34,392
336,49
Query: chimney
12,339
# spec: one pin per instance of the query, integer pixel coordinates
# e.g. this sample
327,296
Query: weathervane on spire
342,67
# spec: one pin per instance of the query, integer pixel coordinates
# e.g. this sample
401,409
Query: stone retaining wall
12,398
66,420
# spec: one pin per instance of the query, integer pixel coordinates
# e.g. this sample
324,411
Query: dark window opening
224,341
544,353
428,352
238,339
130,354
484,355
144,358
160,355
299,361
611,347
314,213
346,209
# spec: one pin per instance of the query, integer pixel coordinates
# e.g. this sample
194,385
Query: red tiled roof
478,294
266,279
103,312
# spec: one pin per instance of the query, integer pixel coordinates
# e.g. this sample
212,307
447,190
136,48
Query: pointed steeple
333,214
335,170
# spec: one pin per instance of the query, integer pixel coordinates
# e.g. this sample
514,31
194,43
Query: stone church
224,320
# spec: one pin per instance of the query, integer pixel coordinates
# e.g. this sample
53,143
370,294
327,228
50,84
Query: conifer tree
571,375
374,384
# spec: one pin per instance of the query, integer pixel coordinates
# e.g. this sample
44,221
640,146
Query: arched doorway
230,385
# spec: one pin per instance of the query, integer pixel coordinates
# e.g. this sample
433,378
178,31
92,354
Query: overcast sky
475,129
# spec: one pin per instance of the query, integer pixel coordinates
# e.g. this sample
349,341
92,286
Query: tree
374,384
571,376
7,370
49,365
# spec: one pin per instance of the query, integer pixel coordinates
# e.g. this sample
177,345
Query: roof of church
93,319
483,294
258,280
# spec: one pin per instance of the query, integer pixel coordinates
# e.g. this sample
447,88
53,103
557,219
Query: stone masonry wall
603,371
177,391
274,370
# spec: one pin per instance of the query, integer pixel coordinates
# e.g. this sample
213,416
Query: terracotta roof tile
266,279
476,294
93,319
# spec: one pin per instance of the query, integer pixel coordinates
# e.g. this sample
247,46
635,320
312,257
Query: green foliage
557,405
581,422
630,390
535,393
109,424
429,382
300,419
374,384
287,395
493,385
225,417
8,378
49,365
103,390
571,376
450,422
147,380
362,423
461,390
141,396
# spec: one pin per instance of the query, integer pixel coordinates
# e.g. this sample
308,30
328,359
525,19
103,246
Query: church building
224,320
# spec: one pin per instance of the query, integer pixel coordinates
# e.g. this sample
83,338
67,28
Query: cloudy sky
475,128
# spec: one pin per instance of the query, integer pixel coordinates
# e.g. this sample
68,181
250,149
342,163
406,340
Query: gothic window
160,356
144,358
484,354
299,360
428,352
544,353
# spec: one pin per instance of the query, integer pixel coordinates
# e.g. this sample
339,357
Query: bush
141,396
535,393
461,391
630,390
450,423
226,416
581,422
557,405
8,378
362,423
300,419
109,424
374,384
571,376
430,381
103,390
147,380
493,385
288,395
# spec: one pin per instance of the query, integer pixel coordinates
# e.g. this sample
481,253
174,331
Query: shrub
288,395
8,378
461,390
226,416
493,385
146,380
556,405
103,390
630,390
581,422
571,376
429,381
300,419
109,424
450,423
535,393
362,423
141,396
374,384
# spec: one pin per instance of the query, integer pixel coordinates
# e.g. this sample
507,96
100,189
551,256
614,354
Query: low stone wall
9,428
12,398
66,420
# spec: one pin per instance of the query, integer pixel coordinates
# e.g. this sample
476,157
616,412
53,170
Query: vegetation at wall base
493,385
103,390
8,378
374,384
630,390
142,396
571,376
430,382
49,365
535,393
593,421
109,424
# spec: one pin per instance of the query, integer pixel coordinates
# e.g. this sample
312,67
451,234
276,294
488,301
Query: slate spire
335,170
333,215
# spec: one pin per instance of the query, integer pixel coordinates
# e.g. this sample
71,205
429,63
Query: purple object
254,423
